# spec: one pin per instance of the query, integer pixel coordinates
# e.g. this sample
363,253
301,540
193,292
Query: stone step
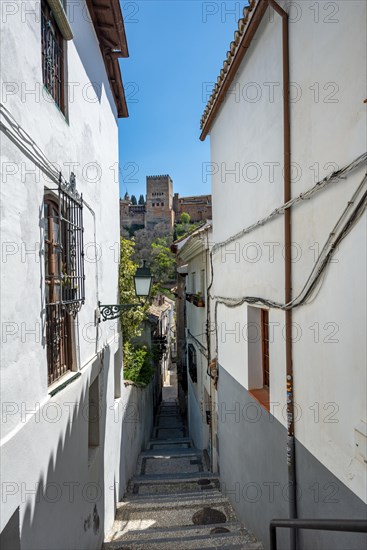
173,441
173,478
170,453
169,433
170,422
214,543
157,445
173,501
166,500
166,465
193,537
174,532
150,492
154,515
178,487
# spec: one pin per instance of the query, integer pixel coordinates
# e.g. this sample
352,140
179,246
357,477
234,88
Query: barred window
52,56
64,277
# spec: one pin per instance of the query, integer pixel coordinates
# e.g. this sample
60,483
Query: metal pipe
291,458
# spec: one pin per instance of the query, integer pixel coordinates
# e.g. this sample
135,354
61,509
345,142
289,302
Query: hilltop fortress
163,206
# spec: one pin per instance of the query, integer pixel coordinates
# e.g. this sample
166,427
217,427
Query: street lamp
142,283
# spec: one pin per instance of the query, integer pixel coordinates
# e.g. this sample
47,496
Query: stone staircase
173,501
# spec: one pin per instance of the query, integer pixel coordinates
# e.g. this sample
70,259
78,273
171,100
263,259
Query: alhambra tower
159,206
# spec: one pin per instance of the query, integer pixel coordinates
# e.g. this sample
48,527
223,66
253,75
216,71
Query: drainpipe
291,457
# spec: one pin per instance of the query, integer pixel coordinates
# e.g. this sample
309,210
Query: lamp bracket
113,311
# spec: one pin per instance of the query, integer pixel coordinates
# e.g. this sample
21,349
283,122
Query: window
153,204
193,283
64,278
162,203
258,354
265,347
52,56
192,364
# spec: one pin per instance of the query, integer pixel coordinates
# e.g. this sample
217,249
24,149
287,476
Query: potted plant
69,288
199,302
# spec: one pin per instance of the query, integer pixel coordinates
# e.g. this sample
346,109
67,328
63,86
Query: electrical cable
323,260
331,178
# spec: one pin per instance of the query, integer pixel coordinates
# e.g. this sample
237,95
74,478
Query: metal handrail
350,525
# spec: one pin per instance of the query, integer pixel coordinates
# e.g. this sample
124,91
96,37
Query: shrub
137,364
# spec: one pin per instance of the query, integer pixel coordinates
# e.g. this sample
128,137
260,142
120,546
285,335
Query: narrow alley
183,262
173,501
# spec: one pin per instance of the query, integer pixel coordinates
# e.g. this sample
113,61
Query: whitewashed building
193,321
288,297
67,444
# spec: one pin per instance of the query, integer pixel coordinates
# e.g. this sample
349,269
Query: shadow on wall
69,500
66,507
136,430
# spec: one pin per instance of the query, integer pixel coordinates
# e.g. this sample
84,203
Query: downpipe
291,454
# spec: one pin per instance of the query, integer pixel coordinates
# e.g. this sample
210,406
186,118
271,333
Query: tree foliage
141,200
131,319
144,239
182,229
185,218
163,261
137,364
133,200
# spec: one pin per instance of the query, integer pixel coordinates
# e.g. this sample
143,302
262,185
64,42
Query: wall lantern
143,281
143,285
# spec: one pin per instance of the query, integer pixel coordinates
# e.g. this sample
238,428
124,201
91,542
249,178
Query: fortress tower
159,206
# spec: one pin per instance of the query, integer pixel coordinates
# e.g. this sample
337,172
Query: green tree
163,261
137,364
144,239
185,218
131,319
133,200
141,200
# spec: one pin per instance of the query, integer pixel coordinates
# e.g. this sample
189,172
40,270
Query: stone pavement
174,501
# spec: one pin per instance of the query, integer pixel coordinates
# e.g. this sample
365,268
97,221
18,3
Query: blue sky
175,48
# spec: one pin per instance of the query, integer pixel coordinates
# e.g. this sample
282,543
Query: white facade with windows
193,257
64,405
327,132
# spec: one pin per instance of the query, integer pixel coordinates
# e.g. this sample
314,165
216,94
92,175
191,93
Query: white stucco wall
327,131
51,446
195,254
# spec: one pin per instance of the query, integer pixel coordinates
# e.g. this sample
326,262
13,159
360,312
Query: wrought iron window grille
52,55
71,245
64,272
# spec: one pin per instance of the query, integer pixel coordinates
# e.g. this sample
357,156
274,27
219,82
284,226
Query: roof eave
113,45
243,46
